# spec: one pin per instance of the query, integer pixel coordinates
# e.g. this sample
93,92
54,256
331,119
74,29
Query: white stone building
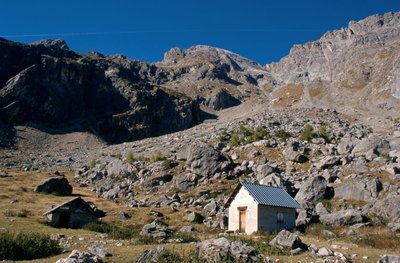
255,207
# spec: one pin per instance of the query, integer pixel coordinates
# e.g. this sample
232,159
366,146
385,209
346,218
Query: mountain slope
355,68
55,88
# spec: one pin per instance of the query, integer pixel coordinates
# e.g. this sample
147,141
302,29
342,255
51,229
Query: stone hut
256,207
74,213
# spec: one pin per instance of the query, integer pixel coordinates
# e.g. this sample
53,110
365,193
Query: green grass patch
26,246
114,231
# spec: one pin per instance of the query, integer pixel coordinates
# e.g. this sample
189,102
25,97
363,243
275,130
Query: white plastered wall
243,199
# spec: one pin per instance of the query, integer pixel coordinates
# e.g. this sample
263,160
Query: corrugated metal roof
270,195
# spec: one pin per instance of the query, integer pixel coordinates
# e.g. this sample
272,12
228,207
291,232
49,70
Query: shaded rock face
221,100
58,89
54,185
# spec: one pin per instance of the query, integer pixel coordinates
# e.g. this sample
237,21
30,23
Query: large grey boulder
263,170
204,160
346,145
389,259
194,217
366,190
388,209
371,143
77,256
217,250
312,190
293,153
155,229
286,239
328,162
54,185
151,255
342,217
98,251
186,182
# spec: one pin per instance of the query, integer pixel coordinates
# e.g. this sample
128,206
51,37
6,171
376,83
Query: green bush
246,135
156,157
307,134
322,133
92,163
282,135
130,158
26,246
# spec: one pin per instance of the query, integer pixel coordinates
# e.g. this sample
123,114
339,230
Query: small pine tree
322,133
307,134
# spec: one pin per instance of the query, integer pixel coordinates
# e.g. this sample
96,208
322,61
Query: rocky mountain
47,85
351,69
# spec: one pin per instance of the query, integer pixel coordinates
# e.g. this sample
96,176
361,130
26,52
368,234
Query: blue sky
262,30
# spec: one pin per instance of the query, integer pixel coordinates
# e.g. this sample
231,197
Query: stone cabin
256,207
74,213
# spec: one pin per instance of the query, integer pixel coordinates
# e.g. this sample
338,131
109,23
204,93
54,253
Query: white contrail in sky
153,31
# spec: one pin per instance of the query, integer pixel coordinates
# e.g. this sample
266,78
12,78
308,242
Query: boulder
325,252
273,180
374,143
366,190
292,153
312,190
98,251
77,256
342,217
263,170
328,162
186,182
211,208
194,217
388,209
155,229
346,145
222,249
187,229
151,255
204,161
389,259
286,239
54,185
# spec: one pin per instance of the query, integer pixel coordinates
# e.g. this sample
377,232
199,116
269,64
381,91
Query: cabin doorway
64,219
242,220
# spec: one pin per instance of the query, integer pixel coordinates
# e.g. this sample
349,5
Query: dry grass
17,195
288,95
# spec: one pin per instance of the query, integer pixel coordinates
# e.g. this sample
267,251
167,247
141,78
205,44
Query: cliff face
48,85
354,67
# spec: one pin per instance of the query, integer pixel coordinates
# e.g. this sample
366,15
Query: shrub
282,135
322,133
168,164
26,246
130,158
156,157
307,134
234,140
92,163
